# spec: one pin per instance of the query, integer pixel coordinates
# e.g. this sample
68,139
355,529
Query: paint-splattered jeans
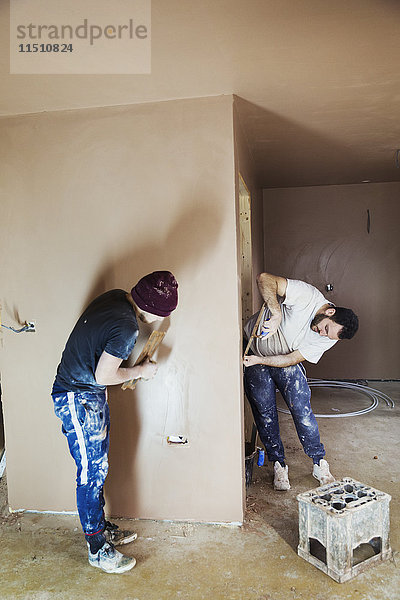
260,383
85,423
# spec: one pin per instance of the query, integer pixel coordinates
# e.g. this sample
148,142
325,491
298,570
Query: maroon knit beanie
156,293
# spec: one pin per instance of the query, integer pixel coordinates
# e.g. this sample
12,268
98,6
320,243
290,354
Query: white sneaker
322,473
116,536
281,477
110,560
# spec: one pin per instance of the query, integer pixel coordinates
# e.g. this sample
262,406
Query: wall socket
30,326
177,440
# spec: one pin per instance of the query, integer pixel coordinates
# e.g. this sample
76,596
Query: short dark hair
348,319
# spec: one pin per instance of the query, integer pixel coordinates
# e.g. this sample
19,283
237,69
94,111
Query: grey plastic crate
344,528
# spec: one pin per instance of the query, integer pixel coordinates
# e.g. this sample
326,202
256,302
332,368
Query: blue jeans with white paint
260,383
85,423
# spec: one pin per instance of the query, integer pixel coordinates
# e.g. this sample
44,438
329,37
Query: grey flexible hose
373,395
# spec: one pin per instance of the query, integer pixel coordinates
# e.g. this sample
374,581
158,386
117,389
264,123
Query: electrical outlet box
177,440
31,326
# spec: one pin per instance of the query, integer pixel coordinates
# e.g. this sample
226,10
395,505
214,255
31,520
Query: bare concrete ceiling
318,82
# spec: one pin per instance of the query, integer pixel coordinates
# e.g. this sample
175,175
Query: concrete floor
44,557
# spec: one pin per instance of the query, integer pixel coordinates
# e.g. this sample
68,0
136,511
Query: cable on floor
372,394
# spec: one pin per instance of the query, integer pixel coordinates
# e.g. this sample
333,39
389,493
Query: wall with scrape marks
93,200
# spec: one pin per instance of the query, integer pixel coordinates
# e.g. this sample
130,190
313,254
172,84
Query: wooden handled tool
253,333
155,339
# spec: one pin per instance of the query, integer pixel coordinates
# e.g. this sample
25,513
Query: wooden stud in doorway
245,249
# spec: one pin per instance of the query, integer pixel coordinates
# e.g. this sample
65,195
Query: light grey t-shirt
299,307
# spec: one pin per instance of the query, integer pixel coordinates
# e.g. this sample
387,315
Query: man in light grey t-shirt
298,323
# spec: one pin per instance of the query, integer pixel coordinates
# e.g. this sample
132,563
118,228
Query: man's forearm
109,371
121,375
127,373
268,286
279,360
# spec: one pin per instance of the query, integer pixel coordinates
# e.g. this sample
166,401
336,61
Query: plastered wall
347,236
93,200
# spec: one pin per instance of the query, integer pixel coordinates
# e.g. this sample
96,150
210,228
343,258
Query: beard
318,318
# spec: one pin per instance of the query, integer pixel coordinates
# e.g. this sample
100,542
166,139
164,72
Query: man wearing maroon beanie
102,338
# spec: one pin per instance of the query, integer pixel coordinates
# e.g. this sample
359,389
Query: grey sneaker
281,477
322,473
116,536
110,560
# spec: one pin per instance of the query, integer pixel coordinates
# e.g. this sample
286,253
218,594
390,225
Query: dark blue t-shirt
109,323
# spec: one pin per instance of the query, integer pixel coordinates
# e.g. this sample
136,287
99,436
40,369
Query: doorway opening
3,482
246,262
246,276
2,440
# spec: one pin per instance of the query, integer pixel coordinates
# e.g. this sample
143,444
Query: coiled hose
372,394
